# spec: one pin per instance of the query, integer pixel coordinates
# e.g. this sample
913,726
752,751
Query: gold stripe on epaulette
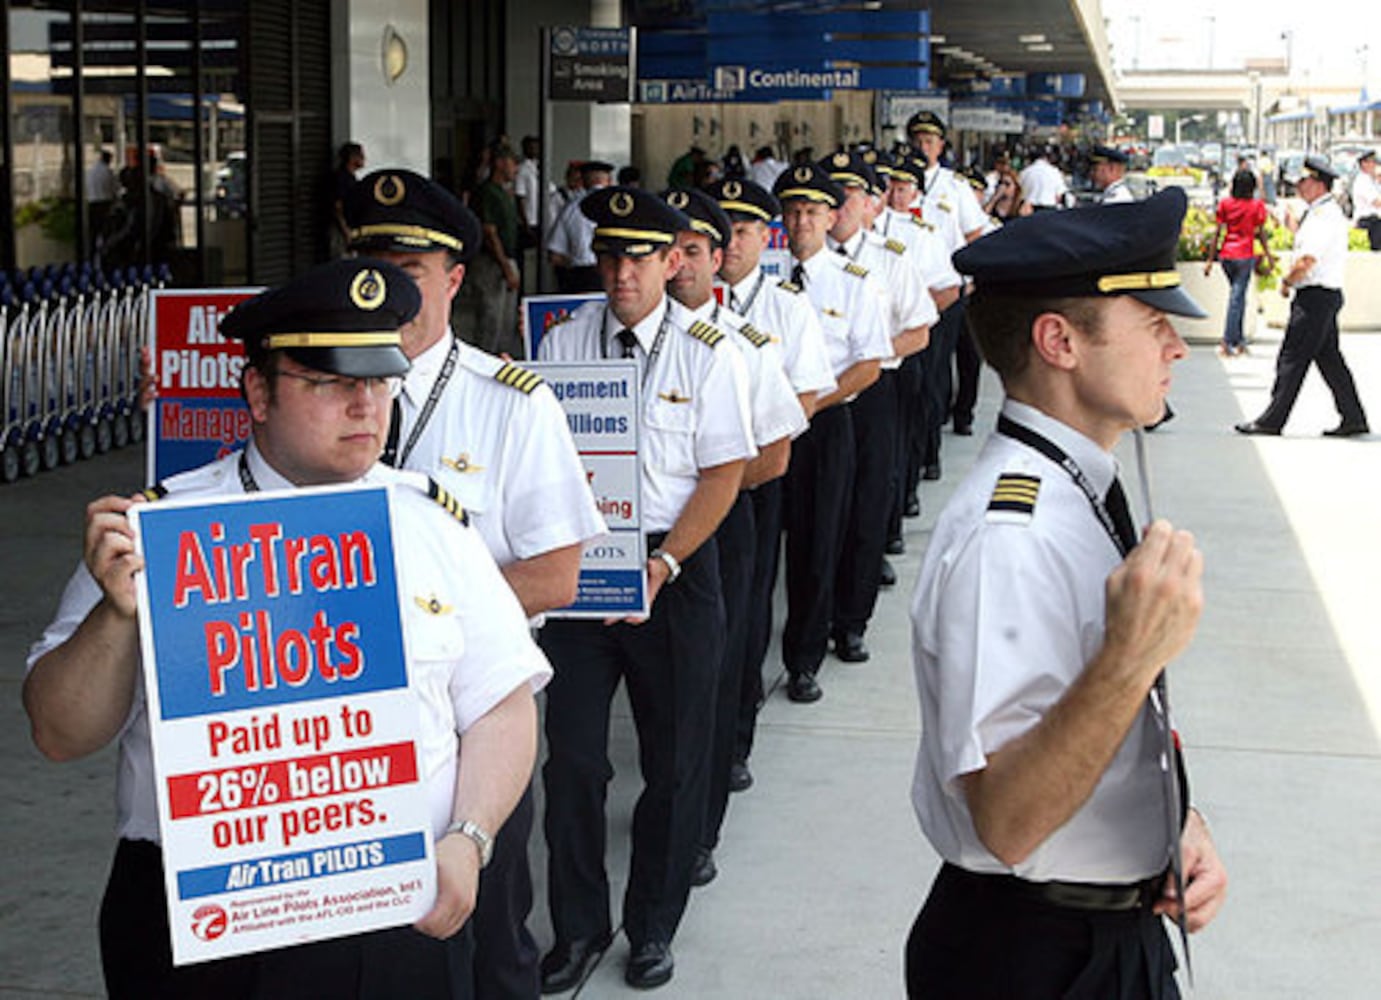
1015,492
754,336
896,246
857,270
790,286
447,502
705,333
154,493
518,377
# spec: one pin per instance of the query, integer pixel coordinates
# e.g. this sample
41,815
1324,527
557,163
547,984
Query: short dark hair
1243,184
1001,325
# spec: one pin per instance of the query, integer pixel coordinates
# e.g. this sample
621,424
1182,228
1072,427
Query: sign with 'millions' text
282,720
198,415
601,400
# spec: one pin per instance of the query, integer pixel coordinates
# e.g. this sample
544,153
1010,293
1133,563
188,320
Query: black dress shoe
849,648
650,966
895,546
569,962
1252,427
931,471
703,870
803,689
740,778
1346,430
913,507
887,576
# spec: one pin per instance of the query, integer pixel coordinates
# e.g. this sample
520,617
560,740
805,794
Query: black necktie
798,275
1121,515
395,431
841,250
733,301
629,340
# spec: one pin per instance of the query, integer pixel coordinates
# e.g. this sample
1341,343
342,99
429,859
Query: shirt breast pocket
670,441
436,643
472,487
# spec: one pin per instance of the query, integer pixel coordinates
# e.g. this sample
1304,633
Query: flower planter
1361,295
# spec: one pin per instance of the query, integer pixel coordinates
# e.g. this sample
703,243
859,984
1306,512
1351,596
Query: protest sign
601,400
282,721
198,415
541,312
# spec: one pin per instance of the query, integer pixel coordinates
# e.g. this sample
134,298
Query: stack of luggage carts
70,337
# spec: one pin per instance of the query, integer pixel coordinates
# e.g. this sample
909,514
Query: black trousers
137,960
1311,337
968,363
1372,225
913,421
856,582
670,664
767,540
974,940
939,379
815,509
737,551
506,956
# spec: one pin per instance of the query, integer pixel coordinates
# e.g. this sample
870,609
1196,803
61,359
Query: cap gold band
706,229
405,233
809,194
746,208
635,234
1145,281
853,180
929,129
380,338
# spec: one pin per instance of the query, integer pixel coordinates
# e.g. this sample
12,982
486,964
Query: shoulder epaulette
1015,493
154,493
705,333
857,270
447,502
928,226
896,246
790,286
518,377
754,336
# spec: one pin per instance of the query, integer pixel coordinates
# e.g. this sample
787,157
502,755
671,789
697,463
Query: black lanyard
656,343
246,477
747,304
1020,432
391,456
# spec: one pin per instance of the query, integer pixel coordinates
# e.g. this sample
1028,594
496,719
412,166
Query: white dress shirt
463,662
695,398
925,248
1366,196
1008,610
506,455
948,194
783,312
908,300
852,306
572,235
1322,234
1043,184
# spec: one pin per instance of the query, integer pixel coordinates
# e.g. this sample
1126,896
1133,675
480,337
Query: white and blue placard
601,400
282,719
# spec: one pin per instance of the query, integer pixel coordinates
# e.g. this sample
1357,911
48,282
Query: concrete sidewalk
823,865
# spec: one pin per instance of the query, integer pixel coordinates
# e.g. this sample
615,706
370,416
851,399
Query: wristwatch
672,563
471,829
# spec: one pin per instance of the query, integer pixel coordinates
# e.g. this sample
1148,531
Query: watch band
482,840
672,563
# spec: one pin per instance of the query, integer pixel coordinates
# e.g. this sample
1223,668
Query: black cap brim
353,362
1175,301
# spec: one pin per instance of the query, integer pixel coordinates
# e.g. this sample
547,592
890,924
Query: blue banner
269,601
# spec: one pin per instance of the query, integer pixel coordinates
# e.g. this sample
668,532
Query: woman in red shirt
1243,218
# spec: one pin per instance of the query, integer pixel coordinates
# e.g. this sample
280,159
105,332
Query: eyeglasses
341,389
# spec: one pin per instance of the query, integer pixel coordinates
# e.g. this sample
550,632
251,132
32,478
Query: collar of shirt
745,287
932,174
1098,465
814,264
705,310
850,245
266,477
645,331
418,381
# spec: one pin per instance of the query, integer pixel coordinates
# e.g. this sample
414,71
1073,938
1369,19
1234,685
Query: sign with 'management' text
282,720
198,415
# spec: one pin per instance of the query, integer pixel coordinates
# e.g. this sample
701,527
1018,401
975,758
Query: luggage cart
11,383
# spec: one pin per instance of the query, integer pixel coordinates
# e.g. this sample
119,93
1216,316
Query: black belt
1087,896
